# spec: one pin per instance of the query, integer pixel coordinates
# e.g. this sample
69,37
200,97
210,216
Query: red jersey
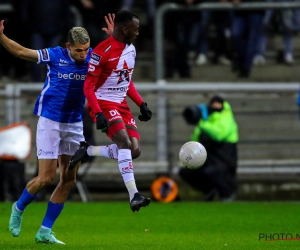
109,74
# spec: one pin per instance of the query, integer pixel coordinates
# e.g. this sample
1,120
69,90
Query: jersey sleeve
97,61
48,55
134,95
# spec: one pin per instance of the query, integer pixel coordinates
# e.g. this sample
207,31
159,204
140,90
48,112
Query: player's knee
125,144
68,184
135,152
44,181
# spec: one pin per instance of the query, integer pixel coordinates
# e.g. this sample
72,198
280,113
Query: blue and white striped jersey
62,98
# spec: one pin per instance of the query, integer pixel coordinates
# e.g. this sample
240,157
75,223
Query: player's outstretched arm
16,49
134,95
109,19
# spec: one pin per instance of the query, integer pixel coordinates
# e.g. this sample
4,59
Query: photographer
217,131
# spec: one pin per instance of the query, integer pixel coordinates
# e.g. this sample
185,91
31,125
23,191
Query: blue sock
53,211
25,199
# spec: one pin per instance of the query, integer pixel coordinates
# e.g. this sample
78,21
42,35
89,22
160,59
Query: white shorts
54,138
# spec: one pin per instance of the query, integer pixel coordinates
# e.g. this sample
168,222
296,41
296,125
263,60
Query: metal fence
176,93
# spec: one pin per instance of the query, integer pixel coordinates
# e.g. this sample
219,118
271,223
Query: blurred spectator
92,12
192,38
288,26
217,131
11,68
246,26
46,21
150,11
222,22
187,28
13,179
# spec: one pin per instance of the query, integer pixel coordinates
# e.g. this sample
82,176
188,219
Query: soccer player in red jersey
107,84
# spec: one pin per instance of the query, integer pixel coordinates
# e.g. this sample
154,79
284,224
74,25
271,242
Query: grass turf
176,226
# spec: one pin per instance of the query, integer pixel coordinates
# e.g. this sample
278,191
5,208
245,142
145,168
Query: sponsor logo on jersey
124,74
107,49
121,89
114,112
114,115
63,62
71,76
42,152
95,59
45,55
118,117
92,61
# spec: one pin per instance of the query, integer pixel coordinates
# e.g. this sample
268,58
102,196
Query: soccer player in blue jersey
59,129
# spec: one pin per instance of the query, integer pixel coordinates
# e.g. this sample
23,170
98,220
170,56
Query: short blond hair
78,35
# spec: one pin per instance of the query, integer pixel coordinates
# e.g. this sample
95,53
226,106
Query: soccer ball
192,155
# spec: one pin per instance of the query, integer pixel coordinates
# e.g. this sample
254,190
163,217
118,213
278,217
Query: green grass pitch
176,226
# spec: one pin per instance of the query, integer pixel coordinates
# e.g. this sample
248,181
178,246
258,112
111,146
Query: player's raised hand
1,27
109,19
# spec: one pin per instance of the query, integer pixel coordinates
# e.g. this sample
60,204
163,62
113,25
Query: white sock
131,187
126,170
109,151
